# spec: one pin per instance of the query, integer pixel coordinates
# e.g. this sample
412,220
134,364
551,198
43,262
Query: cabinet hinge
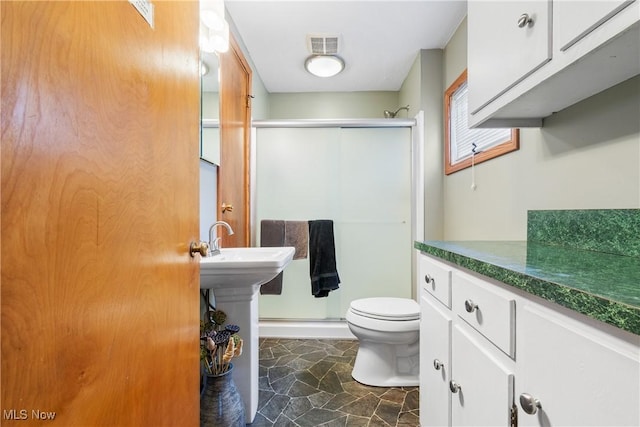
514,416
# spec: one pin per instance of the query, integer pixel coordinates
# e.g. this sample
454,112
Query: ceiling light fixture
324,65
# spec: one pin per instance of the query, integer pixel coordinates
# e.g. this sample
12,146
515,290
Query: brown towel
272,235
296,234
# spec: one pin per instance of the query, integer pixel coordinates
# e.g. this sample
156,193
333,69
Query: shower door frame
333,328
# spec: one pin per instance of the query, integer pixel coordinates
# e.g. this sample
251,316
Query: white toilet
388,333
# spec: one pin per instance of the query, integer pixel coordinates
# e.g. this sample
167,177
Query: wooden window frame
509,145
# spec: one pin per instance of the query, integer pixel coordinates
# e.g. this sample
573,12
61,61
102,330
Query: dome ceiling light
324,65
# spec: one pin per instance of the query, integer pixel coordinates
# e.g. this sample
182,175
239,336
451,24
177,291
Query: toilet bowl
388,333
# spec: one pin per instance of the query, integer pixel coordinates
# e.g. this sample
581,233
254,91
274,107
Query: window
461,142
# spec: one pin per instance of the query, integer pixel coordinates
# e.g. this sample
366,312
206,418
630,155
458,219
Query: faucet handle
214,248
216,244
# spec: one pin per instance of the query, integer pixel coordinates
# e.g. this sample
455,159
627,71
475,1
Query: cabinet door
485,396
435,363
580,377
573,20
500,53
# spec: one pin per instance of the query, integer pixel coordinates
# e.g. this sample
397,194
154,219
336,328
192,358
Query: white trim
305,329
417,197
333,123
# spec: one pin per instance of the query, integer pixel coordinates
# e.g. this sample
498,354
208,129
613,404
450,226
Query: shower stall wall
361,179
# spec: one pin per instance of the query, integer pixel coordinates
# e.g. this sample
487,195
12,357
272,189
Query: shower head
392,114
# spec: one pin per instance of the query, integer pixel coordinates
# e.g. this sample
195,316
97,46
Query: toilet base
384,365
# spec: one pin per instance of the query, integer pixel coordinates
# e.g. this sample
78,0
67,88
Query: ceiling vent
322,44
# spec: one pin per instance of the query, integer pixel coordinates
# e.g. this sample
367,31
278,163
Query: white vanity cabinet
529,59
465,378
481,385
580,375
498,356
435,362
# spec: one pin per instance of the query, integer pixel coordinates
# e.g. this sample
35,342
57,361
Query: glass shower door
361,179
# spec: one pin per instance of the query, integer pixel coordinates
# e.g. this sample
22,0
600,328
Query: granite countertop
601,285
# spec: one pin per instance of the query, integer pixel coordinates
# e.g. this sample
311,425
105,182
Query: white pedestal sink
235,277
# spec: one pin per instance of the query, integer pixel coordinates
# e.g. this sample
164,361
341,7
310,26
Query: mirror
210,131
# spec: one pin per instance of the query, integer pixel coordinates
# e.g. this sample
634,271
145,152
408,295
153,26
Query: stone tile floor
307,383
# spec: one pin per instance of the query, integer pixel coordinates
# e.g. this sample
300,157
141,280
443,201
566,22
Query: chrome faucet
214,244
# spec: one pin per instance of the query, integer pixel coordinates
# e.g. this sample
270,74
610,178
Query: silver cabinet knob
454,386
529,404
428,279
437,364
470,306
525,20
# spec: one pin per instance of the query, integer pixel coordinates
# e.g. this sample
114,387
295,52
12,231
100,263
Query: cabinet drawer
487,309
435,278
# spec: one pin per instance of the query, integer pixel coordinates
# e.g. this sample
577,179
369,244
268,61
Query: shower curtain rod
334,123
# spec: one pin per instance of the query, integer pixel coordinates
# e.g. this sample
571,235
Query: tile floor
307,383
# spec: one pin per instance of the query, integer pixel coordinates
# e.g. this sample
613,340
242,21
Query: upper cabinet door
510,41
573,20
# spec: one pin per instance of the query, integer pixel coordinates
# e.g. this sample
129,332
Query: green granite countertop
601,285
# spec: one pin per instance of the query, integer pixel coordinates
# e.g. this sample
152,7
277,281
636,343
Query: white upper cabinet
515,41
575,19
529,59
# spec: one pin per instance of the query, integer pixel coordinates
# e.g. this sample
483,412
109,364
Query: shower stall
356,173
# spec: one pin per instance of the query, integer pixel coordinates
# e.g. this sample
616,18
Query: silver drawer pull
525,20
437,364
454,386
470,306
529,404
429,279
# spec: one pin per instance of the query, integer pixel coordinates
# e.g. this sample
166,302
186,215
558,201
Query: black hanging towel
322,258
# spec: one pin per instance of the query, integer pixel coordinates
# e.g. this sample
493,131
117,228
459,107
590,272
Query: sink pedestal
241,307
235,276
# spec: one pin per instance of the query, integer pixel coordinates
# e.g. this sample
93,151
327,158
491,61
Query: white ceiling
379,40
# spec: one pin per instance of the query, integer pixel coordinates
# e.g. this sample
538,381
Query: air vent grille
322,45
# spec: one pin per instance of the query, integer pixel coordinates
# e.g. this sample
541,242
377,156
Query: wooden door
100,116
235,128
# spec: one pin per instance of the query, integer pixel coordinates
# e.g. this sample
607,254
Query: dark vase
220,403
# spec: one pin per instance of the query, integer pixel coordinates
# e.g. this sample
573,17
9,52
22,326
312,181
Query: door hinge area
514,416
249,98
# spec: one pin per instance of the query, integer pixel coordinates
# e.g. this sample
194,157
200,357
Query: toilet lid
387,308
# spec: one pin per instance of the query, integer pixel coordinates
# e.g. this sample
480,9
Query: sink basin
239,267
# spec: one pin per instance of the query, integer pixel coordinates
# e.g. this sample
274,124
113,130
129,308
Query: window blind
463,138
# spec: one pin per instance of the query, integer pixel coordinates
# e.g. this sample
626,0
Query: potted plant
220,402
